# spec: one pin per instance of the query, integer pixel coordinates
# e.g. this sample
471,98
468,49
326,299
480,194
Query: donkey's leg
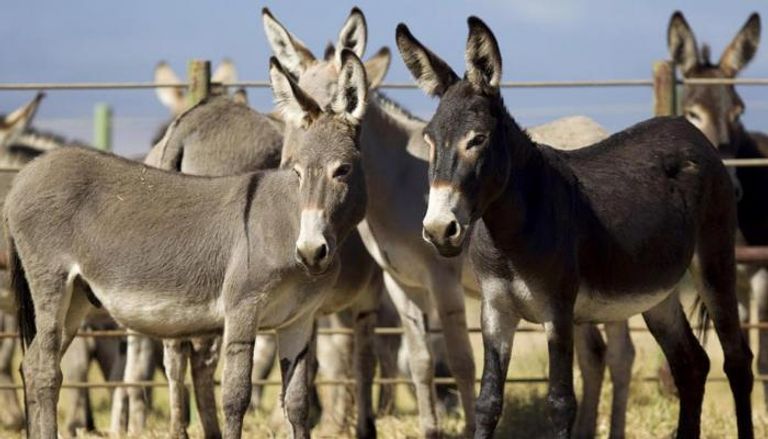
75,364
296,347
561,397
686,358
141,369
335,358
590,354
204,357
11,415
420,355
448,295
118,419
365,359
760,289
240,328
41,364
717,281
264,355
175,356
387,348
620,357
498,322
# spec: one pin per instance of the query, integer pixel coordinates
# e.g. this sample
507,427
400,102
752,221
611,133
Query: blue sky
80,40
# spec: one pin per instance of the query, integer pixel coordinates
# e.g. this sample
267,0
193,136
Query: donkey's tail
20,289
699,317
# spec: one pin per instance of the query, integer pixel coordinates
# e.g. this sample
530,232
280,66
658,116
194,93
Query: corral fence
665,87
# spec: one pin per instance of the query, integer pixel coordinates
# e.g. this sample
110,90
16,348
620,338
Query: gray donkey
172,255
220,136
597,234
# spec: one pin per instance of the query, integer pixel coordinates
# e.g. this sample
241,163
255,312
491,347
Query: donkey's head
326,158
175,98
469,157
319,77
714,109
14,123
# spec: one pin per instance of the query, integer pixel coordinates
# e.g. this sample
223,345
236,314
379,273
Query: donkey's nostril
452,230
321,253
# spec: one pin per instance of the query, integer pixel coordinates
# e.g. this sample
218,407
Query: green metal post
199,76
102,127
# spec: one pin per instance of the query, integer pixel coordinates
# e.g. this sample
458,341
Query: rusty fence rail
112,333
334,382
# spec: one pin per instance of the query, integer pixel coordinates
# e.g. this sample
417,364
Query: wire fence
74,86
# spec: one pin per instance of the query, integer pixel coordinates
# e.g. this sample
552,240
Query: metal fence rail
333,382
111,333
131,85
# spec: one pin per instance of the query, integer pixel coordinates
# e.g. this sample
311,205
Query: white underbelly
161,314
593,306
533,304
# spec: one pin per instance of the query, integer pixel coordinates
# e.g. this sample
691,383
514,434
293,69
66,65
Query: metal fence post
664,89
199,76
102,127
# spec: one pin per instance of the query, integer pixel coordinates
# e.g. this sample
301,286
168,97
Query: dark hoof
367,430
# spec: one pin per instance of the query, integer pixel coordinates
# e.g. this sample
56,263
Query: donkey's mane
42,141
392,107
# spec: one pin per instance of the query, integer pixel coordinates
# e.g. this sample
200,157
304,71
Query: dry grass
651,414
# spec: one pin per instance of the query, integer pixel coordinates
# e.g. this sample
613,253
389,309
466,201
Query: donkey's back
123,227
657,185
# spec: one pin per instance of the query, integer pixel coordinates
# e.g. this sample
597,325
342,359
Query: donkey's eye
477,141
692,115
297,172
342,171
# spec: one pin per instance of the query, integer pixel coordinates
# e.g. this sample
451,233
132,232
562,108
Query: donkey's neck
535,189
391,125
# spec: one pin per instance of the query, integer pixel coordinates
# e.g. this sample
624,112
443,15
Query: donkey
175,98
596,234
220,136
716,110
173,255
418,280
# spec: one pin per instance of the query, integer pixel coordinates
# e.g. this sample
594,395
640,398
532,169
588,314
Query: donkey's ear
17,121
351,89
292,53
330,52
482,57
292,102
681,43
225,72
353,35
743,47
432,74
377,66
171,97
240,96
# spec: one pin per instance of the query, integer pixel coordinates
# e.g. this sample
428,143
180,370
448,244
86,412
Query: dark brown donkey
593,235
716,110
173,255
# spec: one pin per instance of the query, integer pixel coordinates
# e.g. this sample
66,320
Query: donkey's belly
160,314
593,306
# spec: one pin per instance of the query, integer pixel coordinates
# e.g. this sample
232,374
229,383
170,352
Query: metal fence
664,85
